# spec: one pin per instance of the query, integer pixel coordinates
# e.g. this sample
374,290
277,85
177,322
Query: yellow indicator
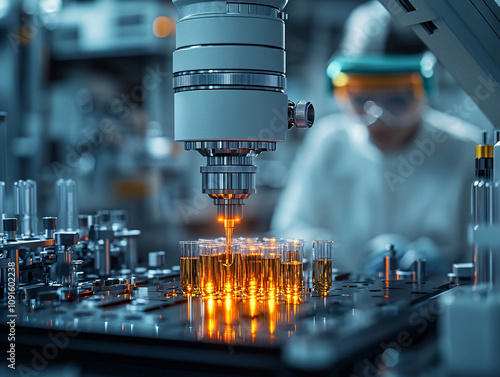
484,151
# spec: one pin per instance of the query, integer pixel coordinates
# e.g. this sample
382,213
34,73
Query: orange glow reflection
236,320
271,304
253,329
211,317
228,318
163,27
253,306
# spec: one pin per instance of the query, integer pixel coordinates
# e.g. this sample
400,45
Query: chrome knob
300,115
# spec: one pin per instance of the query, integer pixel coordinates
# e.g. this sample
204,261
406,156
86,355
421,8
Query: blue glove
424,248
378,249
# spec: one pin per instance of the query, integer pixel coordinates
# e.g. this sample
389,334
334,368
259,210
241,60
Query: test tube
252,268
322,253
209,267
190,267
67,204
292,269
272,240
248,240
26,207
231,274
3,147
237,269
227,269
3,207
271,266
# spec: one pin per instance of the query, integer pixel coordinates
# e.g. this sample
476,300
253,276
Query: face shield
392,100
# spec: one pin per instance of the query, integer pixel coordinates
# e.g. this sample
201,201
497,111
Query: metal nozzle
229,209
229,176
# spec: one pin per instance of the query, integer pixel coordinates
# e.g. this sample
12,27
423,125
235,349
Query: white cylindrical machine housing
229,71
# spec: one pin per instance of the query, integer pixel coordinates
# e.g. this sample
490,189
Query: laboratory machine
76,300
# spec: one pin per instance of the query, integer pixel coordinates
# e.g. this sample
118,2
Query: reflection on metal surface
238,320
150,309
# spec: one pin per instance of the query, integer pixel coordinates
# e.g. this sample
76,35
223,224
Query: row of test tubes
253,268
25,206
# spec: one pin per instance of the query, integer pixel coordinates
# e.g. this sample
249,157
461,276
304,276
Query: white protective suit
343,188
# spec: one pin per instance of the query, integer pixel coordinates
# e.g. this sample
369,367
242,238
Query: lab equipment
292,270
482,209
210,282
322,255
25,199
231,270
190,267
252,269
67,205
271,269
156,259
229,83
464,37
3,146
390,264
64,270
57,282
3,206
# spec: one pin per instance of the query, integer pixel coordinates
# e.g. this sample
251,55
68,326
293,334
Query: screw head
10,224
66,238
49,222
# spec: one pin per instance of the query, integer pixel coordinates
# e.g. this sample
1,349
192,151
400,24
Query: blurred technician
389,169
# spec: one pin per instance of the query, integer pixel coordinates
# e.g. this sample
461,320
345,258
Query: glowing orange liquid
252,274
190,274
271,276
209,274
322,275
292,275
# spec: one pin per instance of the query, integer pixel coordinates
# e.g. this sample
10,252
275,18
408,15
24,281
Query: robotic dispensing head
230,101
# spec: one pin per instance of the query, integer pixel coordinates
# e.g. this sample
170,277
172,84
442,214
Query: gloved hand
378,249
424,248
406,253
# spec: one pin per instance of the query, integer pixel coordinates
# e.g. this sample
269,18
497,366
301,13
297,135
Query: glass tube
248,240
252,268
67,205
190,267
230,270
3,147
3,206
322,253
272,239
292,269
25,199
271,268
210,267
237,269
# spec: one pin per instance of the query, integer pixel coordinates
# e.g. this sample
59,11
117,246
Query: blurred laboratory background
87,87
